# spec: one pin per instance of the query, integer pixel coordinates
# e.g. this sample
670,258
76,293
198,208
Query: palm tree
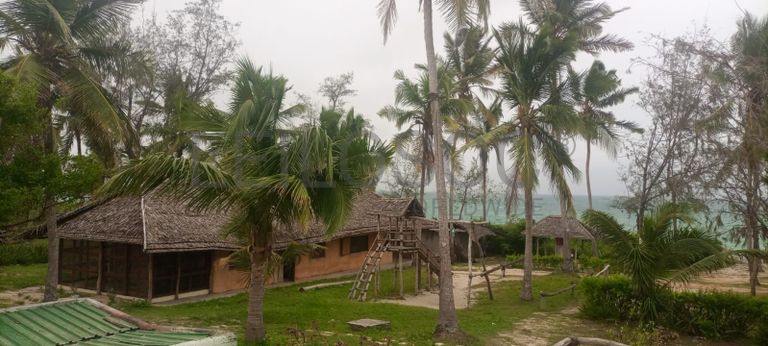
475,133
265,176
750,46
412,114
528,60
458,14
57,45
594,91
470,57
661,254
583,19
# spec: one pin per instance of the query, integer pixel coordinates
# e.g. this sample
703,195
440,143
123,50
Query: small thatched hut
555,227
154,248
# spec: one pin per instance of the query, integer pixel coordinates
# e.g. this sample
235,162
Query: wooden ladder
359,289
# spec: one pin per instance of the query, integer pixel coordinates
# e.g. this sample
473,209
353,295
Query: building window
318,252
358,244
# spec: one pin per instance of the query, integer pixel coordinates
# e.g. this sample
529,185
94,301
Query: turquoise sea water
543,205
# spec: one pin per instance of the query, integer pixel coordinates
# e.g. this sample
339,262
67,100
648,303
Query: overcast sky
308,40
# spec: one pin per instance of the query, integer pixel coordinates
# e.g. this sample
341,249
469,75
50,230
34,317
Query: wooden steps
390,241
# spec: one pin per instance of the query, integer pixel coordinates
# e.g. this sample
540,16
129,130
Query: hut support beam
150,281
400,255
417,230
469,262
178,276
100,266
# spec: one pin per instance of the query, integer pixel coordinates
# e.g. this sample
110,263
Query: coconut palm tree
582,18
661,254
58,45
470,57
594,91
266,176
412,114
475,133
528,59
458,14
750,47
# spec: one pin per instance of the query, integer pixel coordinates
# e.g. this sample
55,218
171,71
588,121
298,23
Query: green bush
539,262
713,315
506,239
595,264
30,252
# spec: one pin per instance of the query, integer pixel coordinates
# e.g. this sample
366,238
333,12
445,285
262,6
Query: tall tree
412,113
469,54
482,121
458,14
529,59
266,177
594,91
57,45
336,89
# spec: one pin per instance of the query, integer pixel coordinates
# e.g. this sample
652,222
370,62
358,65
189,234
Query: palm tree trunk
586,172
485,187
451,188
527,291
589,191
423,179
448,323
567,263
52,276
254,325
50,292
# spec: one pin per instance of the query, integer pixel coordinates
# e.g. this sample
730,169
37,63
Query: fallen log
578,340
327,284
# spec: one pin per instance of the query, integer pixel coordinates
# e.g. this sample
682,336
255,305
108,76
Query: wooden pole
417,229
178,275
400,256
100,266
150,281
378,264
469,262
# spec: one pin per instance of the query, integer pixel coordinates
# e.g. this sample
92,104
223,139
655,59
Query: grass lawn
15,277
320,316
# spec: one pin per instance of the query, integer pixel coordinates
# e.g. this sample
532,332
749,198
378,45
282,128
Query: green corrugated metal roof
80,323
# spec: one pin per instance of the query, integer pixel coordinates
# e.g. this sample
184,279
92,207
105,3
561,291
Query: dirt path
430,299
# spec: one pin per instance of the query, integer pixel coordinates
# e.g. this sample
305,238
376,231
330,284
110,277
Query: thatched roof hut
555,227
160,224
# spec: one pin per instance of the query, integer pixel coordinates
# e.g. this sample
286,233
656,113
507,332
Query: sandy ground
734,279
32,295
430,299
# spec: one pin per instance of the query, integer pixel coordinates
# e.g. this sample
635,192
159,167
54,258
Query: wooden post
150,279
378,265
400,255
469,261
417,231
100,266
178,275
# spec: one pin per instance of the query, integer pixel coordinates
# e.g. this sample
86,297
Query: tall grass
30,252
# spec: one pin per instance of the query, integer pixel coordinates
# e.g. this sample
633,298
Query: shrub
714,315
506,239
30,252
539,262
595,264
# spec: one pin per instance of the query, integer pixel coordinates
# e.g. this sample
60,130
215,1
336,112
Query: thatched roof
555,227
160,224
362,220
157,223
